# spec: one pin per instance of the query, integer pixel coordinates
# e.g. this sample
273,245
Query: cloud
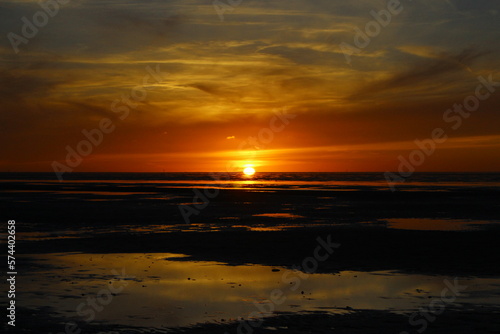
476,5
424,71
18,83
218,91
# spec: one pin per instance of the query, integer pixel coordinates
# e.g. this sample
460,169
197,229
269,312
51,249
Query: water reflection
278,215
430,224
168,292
283,222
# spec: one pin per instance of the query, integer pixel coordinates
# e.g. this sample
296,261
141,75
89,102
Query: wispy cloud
434,67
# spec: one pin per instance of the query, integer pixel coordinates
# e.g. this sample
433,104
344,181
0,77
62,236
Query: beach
304,253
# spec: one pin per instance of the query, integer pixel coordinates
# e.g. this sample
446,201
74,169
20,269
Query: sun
249,171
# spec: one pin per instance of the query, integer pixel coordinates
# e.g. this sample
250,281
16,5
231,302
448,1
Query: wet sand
463,321
157,292
365,248
276,228
234,228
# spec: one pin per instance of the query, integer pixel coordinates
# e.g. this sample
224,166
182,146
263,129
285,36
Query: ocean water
89,203
305,180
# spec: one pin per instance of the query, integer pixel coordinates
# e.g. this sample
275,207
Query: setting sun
249,171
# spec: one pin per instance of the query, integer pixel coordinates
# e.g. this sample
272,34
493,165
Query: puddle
159,291
429,224
278,215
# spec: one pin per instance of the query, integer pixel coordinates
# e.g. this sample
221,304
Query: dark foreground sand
475,253
464,321
355,219
346,219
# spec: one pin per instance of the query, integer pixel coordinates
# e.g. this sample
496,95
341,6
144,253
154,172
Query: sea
295,180
153,202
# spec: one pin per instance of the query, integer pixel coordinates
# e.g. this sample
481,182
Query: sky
282,86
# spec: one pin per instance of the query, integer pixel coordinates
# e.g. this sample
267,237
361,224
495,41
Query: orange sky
222,81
